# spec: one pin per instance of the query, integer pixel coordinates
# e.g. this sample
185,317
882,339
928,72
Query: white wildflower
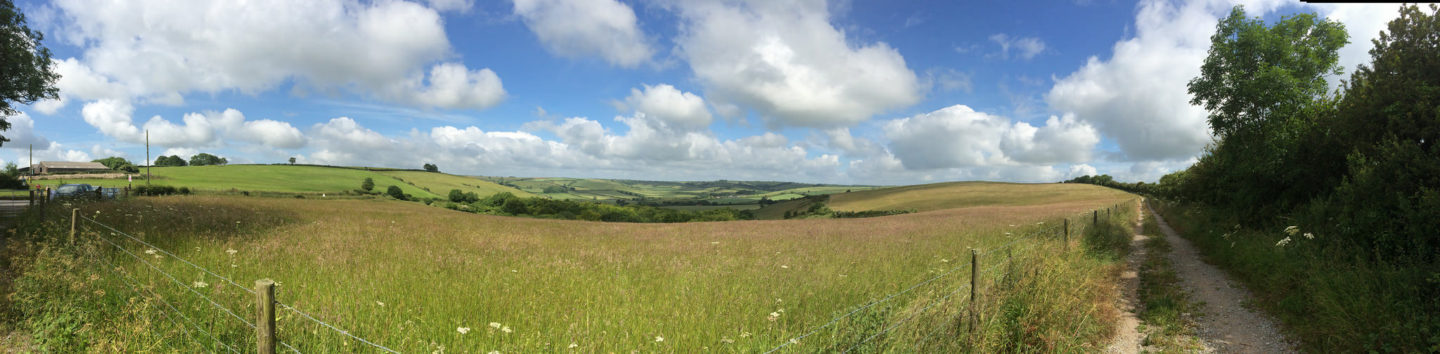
462,330
773,316
659,339
744,334
495,325
943,260
150,251
714,242
782,266
494,352
573,345
382,304
231,251
1283,242
1292,230
506,329
1309,236
726,340
200,284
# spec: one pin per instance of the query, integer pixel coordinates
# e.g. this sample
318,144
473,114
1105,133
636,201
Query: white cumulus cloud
786,61
209,129
670,106
155,51
958,136
576,28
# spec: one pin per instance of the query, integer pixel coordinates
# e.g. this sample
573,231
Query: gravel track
1226,324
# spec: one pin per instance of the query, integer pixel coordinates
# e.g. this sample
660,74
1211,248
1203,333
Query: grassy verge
415,278
1166,310
1328,299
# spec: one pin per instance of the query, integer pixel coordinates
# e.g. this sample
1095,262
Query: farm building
52,167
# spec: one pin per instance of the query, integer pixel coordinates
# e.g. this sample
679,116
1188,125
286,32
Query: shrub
156,190
184,190
395,192
368,184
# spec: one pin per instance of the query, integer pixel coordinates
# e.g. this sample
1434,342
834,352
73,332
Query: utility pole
148,163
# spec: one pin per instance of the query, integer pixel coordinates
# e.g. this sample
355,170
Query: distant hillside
307,179
719,192
927,197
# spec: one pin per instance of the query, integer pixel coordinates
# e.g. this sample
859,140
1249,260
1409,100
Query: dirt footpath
1226,324
1128,338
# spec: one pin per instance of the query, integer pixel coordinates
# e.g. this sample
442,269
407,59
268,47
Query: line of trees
505,203
201,159
1362,161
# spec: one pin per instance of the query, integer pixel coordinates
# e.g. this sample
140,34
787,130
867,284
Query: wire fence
228,335
941,298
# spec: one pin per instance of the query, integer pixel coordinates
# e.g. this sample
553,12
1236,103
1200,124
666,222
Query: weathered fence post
1067,234
974,282
1095,218
265,316
32,197
74,216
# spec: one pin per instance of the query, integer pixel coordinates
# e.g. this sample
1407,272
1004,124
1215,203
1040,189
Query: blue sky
870,92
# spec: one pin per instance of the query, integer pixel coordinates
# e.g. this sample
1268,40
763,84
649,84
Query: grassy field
304,179
415,278
938,196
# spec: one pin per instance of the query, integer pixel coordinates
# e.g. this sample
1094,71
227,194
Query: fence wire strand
133,285
1062,228
347,333
227,280
178,282
162,250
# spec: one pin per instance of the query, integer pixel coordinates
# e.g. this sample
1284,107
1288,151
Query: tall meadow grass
417,278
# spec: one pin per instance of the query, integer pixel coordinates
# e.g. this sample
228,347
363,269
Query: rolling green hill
927,197
305,179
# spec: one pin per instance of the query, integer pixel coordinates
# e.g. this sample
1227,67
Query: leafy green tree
26,72
113,162
205,159
292,160
1388,123
368,184
515,206
463,197
1254,72
395,192
168,161
1265,89
430,167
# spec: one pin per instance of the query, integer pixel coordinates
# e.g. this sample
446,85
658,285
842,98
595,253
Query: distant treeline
505,203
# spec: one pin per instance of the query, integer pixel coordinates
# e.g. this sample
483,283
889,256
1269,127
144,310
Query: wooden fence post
1067,234
32,197
1095,217
74,216
265,316
974,282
